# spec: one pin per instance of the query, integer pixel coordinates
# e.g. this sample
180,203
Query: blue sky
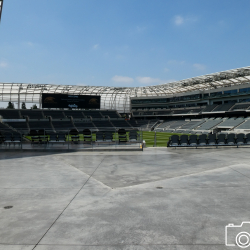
121,42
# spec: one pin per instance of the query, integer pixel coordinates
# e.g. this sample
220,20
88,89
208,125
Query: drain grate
8,207
159,187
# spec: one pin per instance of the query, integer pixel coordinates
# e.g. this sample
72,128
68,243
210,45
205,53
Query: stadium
215,104
89,167
98,151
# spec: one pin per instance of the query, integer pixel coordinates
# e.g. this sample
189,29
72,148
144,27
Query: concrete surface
156,199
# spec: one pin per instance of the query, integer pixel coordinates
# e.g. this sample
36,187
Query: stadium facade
217,88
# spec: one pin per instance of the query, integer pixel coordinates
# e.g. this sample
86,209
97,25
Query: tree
34,106
10,106
23,105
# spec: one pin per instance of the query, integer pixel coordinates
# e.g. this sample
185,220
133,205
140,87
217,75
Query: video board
71,101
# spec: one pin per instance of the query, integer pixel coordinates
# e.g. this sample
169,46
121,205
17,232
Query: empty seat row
56,114
10,138
209,140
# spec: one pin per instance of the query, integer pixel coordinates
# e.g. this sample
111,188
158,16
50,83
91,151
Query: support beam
1,8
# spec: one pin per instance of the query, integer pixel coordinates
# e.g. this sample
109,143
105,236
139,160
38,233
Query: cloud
140,29
96,46
3,64
166,69
178,20
81,84
30,44
176,62
140,81
198,66
122,79
149,80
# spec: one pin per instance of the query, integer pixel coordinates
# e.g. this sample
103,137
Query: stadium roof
119,97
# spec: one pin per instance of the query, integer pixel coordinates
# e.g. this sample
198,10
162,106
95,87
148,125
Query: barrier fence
73,139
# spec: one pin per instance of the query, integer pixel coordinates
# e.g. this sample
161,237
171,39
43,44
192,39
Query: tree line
12,106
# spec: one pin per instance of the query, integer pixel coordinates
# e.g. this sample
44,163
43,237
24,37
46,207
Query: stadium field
162,138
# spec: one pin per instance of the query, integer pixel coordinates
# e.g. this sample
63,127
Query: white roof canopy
119,97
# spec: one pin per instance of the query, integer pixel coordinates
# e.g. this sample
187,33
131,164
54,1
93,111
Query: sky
123,43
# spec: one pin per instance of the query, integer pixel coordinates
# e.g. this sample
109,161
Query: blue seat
221,139
184,140
202,140
174,141
212,139
231,139
193,140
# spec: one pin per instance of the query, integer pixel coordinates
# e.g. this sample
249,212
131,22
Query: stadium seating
184,140
147,125
61,137
54,114
32,114
231,139
40,124
209,108
148,113
242,106
210,140
11,138
108,136
195,111
221,139
245,125
240,139
176,124
20,126
122,135
231,122
120,124
99,136
169,112
133,135
80,125
63,124
182,111
223,107
193,140
10,114
191,124
74,114
132,122
102,124
93,114
164,125
111,114
209,124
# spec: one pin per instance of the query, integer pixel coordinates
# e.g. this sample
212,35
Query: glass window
215,94
244,100
230,92
245,90
145,101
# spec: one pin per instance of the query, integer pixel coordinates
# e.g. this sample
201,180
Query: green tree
34,106
23,105
10,105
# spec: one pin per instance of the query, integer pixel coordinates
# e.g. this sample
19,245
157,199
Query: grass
161,138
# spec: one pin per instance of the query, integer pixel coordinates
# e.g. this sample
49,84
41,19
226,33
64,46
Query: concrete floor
110,200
